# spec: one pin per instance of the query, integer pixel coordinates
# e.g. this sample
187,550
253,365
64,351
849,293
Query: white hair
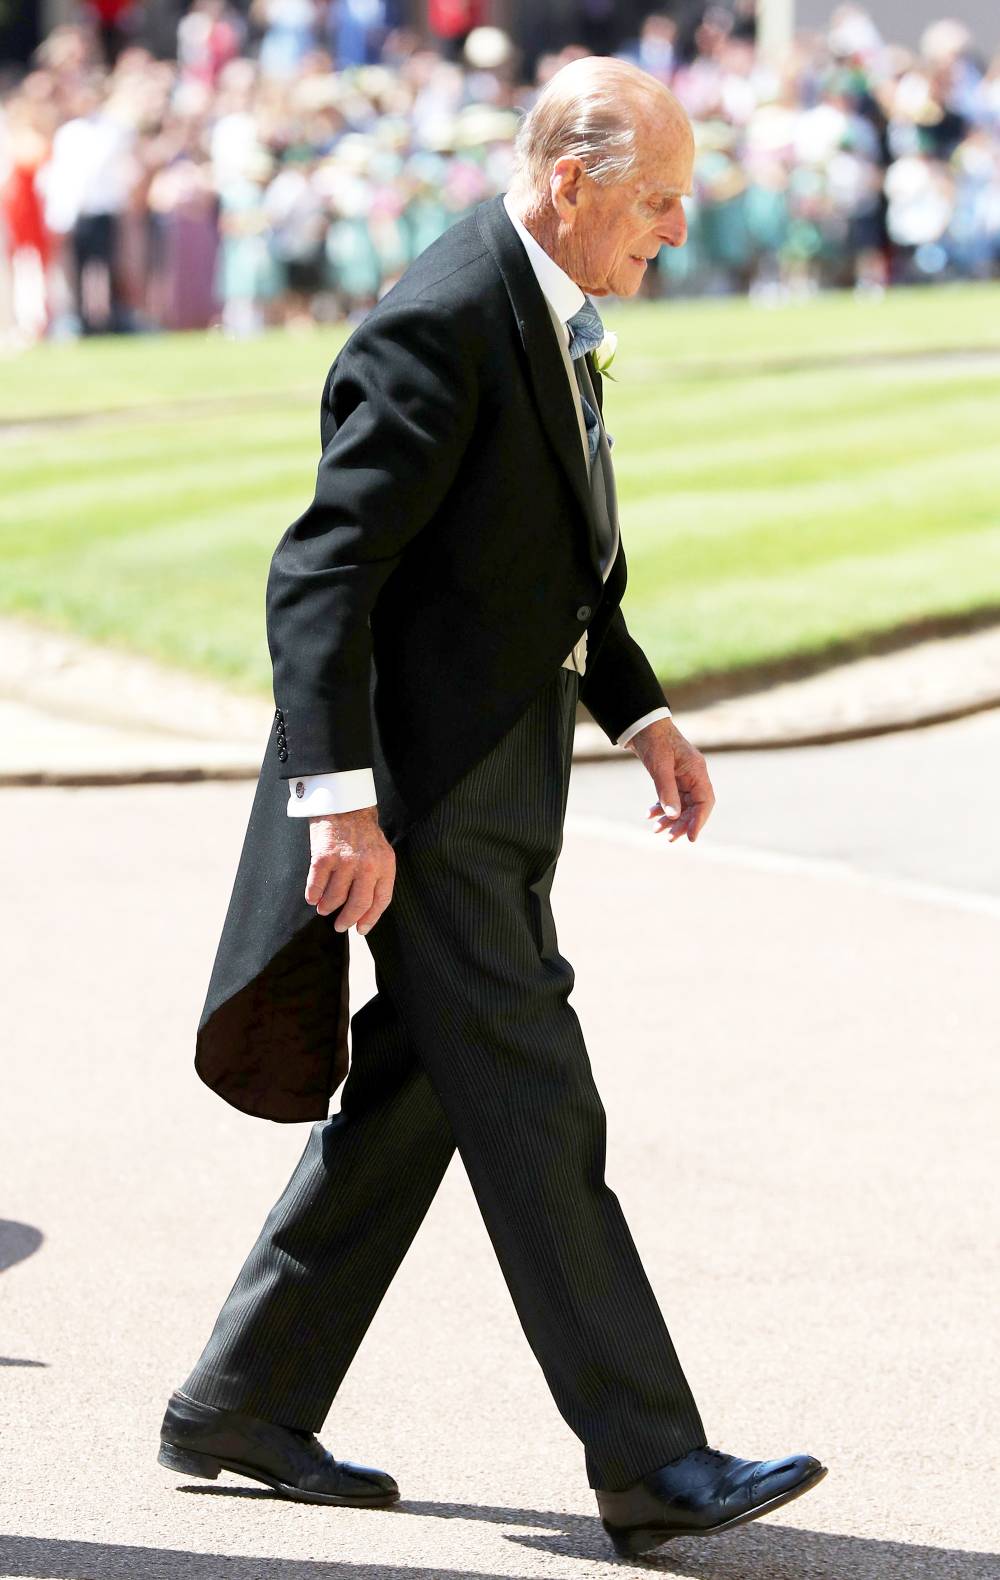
594,127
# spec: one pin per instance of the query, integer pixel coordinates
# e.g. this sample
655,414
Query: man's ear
567,178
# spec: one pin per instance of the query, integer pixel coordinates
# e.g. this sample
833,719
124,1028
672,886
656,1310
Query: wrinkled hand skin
352,868
685,797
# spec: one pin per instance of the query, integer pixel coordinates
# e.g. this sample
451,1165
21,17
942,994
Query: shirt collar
563,295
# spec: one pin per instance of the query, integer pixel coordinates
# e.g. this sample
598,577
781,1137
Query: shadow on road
17,1241
55,1560
758,1552
755,1552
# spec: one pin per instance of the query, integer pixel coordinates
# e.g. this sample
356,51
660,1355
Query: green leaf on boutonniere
605,355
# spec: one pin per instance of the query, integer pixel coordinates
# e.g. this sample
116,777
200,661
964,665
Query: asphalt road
794,1027
919,807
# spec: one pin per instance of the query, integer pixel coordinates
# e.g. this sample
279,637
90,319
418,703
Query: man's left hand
685,797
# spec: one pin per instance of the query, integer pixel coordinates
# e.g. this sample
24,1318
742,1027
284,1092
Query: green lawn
791,479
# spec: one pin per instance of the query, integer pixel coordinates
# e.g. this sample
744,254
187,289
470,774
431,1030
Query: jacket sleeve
401,399
619,685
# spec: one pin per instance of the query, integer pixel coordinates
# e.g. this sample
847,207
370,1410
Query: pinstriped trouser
470,1040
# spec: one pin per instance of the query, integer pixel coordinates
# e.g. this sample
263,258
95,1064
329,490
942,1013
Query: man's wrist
356,811
655,716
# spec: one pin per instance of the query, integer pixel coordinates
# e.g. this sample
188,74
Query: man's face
610,233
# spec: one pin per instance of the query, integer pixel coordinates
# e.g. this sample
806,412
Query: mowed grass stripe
111,505
803,408
763,514
936,494
114,453
850,452
752,618
114,469
835,325
144,372
130,373
198,604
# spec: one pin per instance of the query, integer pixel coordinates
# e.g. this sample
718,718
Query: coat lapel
595,394
603,475
544,359
597,381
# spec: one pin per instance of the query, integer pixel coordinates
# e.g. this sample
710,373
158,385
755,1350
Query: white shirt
91,169
321,794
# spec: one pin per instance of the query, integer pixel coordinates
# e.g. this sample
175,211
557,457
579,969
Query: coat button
282,753
584,612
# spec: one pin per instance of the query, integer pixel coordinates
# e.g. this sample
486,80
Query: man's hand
352,866
678,771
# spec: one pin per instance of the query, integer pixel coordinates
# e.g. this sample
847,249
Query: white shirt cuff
640,724
318,795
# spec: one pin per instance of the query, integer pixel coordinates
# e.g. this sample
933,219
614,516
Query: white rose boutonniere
605,355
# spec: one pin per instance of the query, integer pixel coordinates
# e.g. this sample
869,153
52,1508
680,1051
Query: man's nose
673,229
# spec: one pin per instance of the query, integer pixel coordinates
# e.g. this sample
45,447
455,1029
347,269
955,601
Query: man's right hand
352,868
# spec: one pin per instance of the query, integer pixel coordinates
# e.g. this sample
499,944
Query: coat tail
272,1039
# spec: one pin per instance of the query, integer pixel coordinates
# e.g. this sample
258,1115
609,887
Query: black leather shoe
199,1440
705,1491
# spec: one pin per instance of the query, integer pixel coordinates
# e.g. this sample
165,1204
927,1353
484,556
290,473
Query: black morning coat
446,566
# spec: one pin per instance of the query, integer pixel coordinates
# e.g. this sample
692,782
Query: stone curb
85,716
591,746
83,778
601,749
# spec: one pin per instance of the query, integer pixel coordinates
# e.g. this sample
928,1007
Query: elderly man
433,617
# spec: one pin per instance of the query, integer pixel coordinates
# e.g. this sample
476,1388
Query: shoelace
310,1442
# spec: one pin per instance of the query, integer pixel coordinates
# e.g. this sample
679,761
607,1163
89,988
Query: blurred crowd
287,161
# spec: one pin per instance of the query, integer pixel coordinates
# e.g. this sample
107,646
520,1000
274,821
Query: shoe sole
642,1539
185,1462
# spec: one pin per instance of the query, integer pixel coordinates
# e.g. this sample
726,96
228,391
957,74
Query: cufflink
300,789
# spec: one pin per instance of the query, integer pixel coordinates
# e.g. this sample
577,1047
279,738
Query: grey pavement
920,806
794,1028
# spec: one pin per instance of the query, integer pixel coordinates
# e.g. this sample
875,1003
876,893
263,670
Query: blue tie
586,332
